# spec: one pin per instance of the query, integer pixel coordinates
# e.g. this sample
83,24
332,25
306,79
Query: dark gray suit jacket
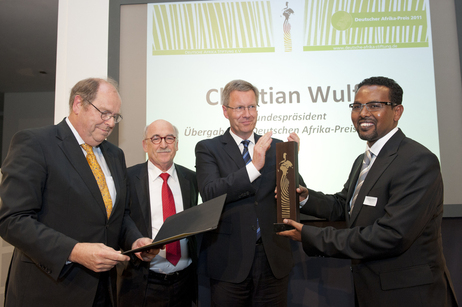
49,202
395,241
228,252
133,279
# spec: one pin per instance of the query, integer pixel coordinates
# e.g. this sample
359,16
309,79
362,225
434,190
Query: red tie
168,208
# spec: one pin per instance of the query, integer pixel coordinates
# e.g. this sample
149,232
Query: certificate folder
189,222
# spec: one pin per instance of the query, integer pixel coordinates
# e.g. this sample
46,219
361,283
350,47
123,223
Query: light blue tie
247,159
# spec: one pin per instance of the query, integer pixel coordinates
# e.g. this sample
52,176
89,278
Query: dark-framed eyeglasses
107,115
156,139
240,109
372,106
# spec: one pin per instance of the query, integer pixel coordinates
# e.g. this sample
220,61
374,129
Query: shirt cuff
303,202
252,172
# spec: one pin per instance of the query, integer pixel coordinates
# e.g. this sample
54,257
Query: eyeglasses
107,115
373,106
252,108
169,139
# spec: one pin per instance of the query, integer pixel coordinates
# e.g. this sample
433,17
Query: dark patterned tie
245,153
247,159
173,249
362,175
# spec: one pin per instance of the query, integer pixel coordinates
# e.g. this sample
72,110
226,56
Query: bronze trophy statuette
287,183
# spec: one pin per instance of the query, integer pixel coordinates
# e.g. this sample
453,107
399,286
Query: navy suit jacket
394,238
49,202
227,253
133,279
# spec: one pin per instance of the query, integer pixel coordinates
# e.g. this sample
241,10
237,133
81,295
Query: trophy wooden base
278,227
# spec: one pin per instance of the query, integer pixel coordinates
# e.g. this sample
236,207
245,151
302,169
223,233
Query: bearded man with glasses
392,203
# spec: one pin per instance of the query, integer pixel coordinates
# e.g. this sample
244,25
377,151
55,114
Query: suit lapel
185,188
141,185
73,152
381,163
231,149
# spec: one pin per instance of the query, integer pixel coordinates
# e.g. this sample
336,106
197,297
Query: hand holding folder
195,220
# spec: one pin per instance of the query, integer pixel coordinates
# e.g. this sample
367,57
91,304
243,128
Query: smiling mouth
366,125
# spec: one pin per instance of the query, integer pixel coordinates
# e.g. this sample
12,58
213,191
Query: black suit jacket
227,253
395,241
50,202
133,279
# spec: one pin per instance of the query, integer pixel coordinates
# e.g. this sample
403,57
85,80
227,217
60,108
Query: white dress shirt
101,161
160,264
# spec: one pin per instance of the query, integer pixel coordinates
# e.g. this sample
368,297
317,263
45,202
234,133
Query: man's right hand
260,149
96,256
302,193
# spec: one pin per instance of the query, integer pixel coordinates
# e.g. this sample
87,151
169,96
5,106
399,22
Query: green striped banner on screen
365,24
212,28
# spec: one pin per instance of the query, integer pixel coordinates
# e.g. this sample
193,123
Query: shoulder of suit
136,167
185,170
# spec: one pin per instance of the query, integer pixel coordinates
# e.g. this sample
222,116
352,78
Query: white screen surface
305,57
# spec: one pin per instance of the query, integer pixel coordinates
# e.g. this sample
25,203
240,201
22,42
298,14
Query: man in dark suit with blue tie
65,208
392,203
247,263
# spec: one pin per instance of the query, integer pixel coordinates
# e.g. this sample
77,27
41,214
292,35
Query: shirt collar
378,145
76,134
238,139
155,171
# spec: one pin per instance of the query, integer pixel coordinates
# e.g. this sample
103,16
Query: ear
176,144
225,111
145,146
398,111
77,105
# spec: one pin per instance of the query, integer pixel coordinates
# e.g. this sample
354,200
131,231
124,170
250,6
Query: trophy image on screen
287,183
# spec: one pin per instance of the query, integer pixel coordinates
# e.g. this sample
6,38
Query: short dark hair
395,91
237,85
87,89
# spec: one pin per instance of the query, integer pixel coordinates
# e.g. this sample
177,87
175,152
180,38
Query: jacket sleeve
24,180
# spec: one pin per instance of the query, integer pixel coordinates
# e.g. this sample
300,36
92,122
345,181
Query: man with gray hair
170,279
248,265
64,206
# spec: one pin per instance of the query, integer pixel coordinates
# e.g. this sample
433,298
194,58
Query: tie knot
88,148
164,176
246,143
368,157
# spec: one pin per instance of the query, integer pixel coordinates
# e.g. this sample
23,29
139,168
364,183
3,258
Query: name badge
370,201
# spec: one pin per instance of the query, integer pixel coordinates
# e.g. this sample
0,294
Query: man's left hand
294,234
293,137
147,255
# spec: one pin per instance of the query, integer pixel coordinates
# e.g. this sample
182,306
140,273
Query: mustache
164,150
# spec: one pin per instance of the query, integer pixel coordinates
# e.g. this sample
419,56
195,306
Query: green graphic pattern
211,27
365,24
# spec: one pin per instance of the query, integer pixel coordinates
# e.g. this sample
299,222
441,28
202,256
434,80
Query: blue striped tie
247,159
245,153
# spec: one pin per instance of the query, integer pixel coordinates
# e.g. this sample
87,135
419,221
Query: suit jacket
133,280
394,241
228,252
49,202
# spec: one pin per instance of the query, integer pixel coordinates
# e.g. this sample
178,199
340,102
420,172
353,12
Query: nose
246,112
110,122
